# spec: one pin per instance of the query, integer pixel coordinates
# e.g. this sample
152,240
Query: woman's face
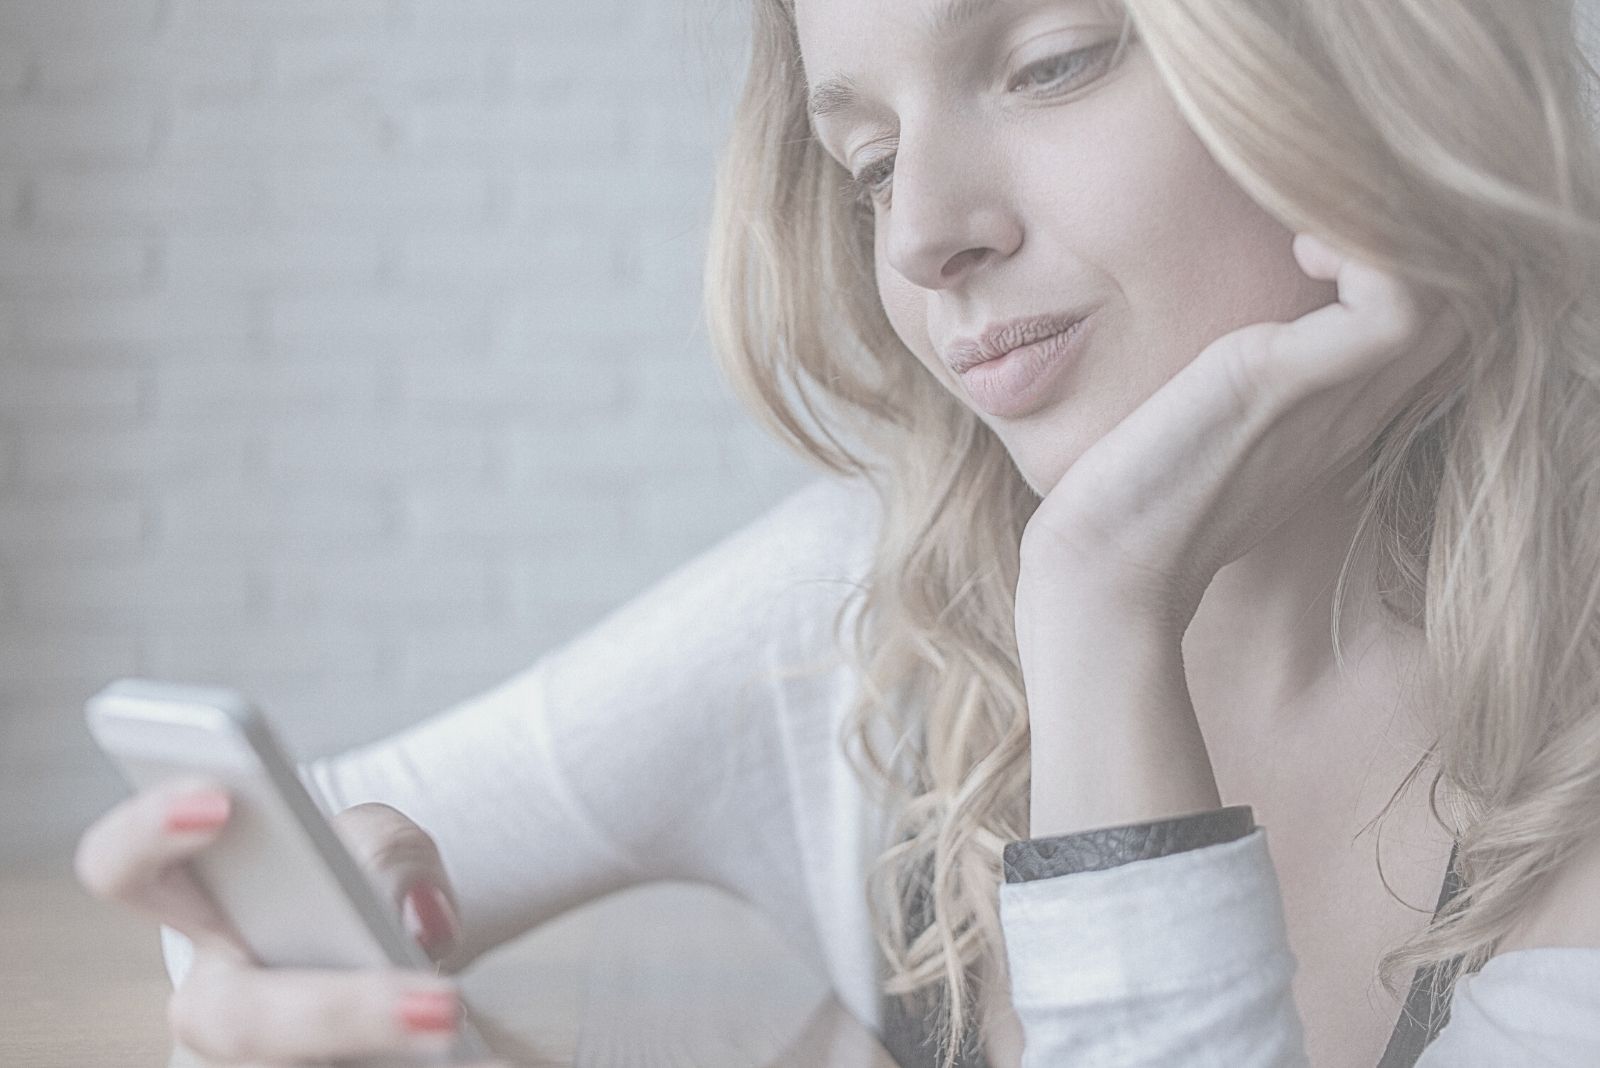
1017,176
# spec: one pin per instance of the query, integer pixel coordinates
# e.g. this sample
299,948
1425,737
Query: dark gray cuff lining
1111,847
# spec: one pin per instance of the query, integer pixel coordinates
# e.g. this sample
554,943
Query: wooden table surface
668,974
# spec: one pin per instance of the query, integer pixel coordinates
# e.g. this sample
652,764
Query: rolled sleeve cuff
1203,919
1109,847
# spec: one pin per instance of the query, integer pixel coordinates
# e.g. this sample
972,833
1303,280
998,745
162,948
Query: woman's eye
869,181
1048,73
872,182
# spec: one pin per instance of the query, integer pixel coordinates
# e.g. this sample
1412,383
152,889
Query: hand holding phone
299,956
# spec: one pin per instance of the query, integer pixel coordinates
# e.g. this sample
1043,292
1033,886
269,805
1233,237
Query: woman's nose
947,218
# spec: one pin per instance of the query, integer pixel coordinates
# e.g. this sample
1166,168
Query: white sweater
693,734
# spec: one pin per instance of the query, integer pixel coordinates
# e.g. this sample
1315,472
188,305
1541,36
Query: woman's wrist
1114,736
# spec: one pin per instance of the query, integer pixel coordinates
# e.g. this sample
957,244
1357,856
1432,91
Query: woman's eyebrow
834,95
955,15
831,96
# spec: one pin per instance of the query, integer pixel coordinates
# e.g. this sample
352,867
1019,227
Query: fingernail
428,1011
203,811
429,918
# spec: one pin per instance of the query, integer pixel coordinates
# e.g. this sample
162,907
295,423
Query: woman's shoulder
1563,913
811,547
826,527
1540,991
1524,1006
778,579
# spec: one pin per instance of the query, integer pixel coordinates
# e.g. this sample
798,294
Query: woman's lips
1017,383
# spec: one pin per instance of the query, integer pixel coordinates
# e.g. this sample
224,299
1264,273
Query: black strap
907,1033
1424,1014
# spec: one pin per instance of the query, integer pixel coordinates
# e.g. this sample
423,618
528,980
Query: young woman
1212,395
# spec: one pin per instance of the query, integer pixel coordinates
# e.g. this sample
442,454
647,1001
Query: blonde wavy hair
1448,141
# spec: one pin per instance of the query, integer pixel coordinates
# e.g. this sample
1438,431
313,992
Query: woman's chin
1045,449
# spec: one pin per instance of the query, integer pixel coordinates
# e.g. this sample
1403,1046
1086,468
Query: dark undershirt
908,1035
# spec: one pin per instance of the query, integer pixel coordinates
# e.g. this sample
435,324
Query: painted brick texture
351,352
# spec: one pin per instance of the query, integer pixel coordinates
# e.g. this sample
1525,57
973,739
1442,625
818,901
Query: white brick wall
351,352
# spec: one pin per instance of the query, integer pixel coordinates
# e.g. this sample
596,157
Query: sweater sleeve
1176,959
642,749
1184,959
1527,1006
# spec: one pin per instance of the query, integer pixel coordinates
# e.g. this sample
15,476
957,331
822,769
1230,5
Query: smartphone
279,869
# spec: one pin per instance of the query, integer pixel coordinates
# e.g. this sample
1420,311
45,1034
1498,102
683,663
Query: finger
1316,257
403,862
229,1013
137,855
1375,315
1360,283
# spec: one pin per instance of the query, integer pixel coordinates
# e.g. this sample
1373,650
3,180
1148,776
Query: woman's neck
1259,654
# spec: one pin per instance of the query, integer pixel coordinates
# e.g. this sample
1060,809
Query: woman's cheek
903,306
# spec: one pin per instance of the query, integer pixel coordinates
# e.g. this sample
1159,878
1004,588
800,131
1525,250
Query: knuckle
212,1018
1281,349
187,1018
328,1016
1283,371
180,1015
86,865
1398,319
383,838
1249,372
98,870
1396,327
400,849
1068,539
338,1013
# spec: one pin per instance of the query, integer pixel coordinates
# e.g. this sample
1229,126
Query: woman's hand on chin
1234,444
1117,556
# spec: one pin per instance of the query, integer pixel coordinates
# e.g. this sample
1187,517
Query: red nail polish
428,1010
198,812
429,918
